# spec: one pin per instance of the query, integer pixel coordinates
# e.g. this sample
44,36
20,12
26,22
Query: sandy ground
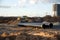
29,30
6,30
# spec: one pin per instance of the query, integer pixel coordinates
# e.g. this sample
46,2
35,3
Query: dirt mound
25,36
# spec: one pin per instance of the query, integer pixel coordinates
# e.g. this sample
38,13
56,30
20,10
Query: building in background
56,9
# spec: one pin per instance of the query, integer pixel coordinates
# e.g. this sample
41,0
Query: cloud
55,1
21,2
33,1
5,6
8,3
50,1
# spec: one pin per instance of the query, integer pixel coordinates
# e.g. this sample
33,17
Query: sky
30,8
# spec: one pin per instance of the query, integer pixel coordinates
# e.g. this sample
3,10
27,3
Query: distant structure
56,9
